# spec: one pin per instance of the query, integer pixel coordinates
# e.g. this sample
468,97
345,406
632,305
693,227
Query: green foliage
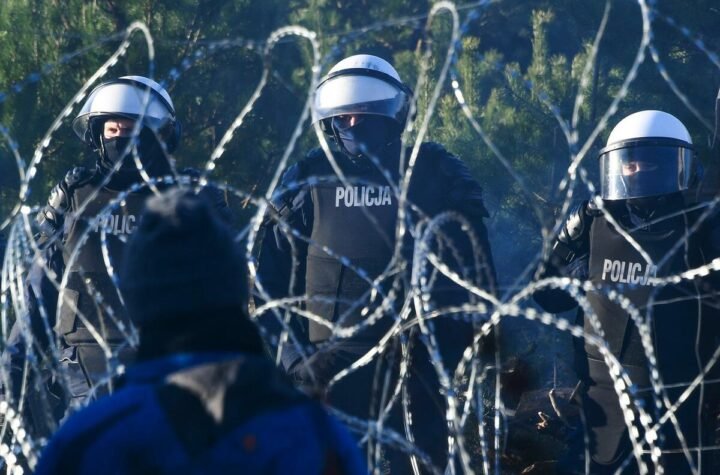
516,61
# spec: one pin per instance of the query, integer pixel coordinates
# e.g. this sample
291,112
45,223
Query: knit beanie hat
181,261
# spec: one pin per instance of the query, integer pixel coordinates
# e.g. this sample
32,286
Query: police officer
129,117
348,231
646,166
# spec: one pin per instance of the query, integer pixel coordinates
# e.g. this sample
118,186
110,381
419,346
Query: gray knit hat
182,261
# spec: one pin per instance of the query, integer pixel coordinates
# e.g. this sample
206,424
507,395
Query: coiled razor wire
402,292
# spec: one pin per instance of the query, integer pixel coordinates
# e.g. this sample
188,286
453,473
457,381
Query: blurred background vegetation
515,61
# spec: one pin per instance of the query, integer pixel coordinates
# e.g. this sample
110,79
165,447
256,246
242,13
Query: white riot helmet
361,84
132,97
648,153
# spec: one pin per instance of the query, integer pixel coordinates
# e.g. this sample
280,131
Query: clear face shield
643,170
122,99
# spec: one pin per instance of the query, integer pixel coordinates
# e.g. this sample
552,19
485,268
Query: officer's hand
574,237
577,224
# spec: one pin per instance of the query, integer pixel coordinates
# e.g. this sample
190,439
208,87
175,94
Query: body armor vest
356,223
674,310
87,274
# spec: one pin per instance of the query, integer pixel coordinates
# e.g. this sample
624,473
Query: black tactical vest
616,265
356,223
79,298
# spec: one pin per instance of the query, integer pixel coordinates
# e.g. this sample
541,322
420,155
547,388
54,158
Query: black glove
573,239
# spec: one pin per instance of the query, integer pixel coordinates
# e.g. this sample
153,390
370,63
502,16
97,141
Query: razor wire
403,292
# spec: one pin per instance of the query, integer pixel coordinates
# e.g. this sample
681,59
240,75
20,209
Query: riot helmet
648,154
362,104
136,98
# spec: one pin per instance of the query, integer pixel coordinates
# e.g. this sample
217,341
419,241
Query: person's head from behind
362,104
184,279
116,110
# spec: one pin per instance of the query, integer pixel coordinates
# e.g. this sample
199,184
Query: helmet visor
122,100
641,171
354,94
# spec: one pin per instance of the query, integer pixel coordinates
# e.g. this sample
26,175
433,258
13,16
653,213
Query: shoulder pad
429,153
287,189
464,191
433,149
77,177
447,163
314,154
292,174
314,163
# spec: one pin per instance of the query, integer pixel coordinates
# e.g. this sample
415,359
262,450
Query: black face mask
366,137
653,207
119,149
115,150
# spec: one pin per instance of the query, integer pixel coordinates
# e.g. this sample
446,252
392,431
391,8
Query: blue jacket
203,414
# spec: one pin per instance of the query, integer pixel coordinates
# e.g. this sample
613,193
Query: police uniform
88,309
80,313
352,228
684,323
353,262
683,318
69,292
